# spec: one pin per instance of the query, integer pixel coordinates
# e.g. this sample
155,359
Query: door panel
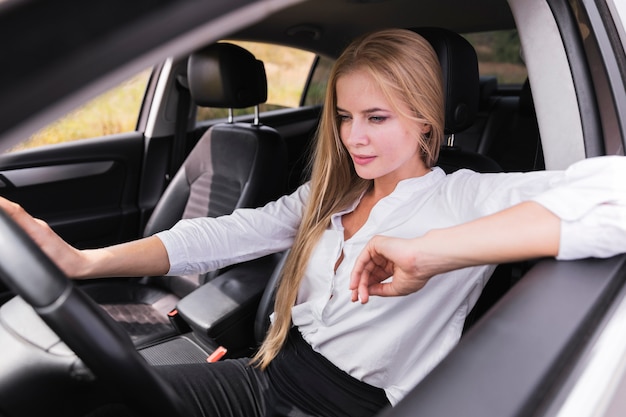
86,190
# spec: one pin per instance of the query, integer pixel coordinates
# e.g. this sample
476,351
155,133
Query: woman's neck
384,186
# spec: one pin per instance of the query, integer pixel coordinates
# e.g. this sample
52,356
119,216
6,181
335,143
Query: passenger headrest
460,75
226,76
526,103
488,86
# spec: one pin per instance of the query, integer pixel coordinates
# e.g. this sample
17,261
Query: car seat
233,165
511,134
459,65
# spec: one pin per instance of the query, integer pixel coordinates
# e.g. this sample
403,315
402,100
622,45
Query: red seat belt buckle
178,322
217,355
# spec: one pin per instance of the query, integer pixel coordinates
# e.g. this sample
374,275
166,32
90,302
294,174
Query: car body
552,345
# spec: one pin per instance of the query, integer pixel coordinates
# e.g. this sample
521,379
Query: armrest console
224,309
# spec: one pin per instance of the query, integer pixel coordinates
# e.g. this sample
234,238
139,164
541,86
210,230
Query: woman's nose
355,133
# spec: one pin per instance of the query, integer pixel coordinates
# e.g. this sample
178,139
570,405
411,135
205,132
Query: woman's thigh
230,388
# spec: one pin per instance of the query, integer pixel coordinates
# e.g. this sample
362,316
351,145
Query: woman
373,174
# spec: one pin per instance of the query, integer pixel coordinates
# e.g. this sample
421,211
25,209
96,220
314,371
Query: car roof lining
326,20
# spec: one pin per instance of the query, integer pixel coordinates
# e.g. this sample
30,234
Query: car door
553,345
86,188
101,190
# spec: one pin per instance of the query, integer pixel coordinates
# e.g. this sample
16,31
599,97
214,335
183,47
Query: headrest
526,103
227,76
488,86
460,75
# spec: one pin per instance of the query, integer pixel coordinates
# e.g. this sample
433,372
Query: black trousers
299,382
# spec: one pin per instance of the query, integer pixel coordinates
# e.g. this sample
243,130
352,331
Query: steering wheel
85,328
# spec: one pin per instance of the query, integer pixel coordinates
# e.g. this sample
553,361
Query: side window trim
309,80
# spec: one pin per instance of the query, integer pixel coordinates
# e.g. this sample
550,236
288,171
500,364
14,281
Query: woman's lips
362,159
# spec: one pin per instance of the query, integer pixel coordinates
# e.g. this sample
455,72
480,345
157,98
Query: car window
316,90
113,112
287,72
499,54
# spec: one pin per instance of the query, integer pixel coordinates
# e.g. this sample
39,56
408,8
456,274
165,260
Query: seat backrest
234,164
461,85
511,135
470,138
459,66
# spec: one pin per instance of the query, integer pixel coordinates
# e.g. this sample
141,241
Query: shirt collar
404,188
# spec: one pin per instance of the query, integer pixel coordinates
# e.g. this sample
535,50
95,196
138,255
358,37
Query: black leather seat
459,65
512,136
233,165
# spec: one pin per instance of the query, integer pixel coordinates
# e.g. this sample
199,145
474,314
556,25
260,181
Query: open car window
499,55
115,111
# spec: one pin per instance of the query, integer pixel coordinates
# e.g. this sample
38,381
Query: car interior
233,165
229,308
248,163
128,187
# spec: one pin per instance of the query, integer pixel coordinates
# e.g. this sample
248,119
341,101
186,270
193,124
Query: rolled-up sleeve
199,245
590,200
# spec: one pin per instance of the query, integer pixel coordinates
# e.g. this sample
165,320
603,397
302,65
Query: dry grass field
113,112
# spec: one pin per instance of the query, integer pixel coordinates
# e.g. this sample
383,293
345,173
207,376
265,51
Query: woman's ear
426,128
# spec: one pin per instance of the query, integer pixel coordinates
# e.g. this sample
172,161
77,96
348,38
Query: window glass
499,54
115,111
316,91
287,70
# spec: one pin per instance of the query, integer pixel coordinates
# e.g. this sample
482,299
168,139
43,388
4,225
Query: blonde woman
375,207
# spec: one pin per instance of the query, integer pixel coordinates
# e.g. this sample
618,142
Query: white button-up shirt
392,343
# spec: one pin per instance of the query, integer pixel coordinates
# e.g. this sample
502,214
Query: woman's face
383,145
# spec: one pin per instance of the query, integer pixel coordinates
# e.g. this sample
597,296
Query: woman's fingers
384,257
372,267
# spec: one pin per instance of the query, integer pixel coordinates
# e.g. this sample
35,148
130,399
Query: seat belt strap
180,130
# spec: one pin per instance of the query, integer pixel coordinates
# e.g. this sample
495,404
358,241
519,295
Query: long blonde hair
406,68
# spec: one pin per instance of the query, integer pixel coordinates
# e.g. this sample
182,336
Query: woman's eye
378,119
343,117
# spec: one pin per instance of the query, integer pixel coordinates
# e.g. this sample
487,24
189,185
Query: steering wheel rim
85,328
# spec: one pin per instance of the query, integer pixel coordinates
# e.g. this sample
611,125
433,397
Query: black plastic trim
41,175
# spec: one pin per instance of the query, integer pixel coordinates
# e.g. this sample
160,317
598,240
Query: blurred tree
506,47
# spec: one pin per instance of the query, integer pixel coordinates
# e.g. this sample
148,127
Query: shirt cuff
590,200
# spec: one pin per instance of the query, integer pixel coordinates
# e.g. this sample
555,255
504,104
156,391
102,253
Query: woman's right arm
138,258
191,246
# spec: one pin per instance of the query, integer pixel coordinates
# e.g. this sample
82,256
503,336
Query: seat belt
180,129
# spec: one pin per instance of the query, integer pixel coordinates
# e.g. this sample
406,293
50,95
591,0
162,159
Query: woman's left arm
582,215
524,231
